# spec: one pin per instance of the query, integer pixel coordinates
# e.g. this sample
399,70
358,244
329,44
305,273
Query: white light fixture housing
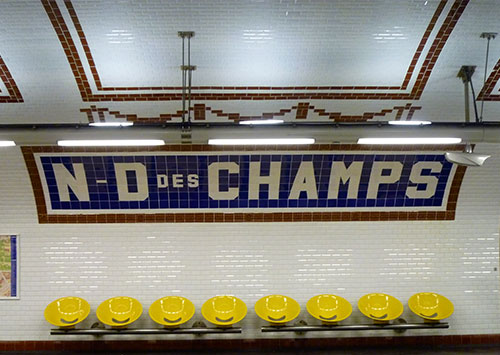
111,124
466,158
7,143
110,142
261,122
412,140
261,141
409,123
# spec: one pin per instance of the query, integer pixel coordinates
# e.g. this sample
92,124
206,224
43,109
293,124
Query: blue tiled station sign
129,182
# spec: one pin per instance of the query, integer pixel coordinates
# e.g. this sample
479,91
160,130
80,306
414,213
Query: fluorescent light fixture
111,124
423,140
263,122
261,141
110,142
7,143
409,123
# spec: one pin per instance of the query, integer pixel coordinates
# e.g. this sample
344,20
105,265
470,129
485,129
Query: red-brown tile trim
200,110
252,344
14,95
486,93
302,110
421,45
211,217
234,148
364,92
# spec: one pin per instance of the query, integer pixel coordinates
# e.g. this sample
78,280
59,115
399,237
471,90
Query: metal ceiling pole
186,86
189,78
466,99
182,35
465,73
489,36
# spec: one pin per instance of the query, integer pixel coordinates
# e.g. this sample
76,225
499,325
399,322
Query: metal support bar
466,100
187,73
489,36
143,331
323,132
326,328
465,73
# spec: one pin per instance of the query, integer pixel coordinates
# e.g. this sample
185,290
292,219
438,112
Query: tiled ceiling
312,60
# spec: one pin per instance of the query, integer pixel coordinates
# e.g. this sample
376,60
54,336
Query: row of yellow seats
172,311
331,309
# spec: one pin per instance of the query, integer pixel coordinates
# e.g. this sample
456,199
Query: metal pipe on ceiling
323,132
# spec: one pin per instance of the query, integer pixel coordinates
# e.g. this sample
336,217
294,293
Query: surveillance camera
466,159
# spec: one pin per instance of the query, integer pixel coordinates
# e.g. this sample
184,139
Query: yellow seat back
119,311
430,305
224,310
171,311
67,311
277,309
329,308
380,307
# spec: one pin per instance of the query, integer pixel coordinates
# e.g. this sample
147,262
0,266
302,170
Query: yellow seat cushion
277,309
119,311
171,310
224,310
329,308
67,311
380,307
430,305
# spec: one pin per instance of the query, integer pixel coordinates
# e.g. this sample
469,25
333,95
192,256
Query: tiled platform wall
456,258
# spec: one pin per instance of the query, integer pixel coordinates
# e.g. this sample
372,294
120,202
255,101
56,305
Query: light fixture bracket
489,35
186,34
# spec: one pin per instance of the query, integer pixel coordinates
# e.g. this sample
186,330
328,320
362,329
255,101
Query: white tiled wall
147,261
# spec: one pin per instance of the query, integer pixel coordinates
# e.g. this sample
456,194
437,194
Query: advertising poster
9,267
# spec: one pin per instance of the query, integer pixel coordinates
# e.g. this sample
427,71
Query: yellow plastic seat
171,311
119,312
67,311
277,309
430,306
380,307
224,311
329,308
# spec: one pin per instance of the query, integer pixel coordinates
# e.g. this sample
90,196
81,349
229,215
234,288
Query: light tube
111,124
110,142
261,141
423,140
261,122
409,123
7,143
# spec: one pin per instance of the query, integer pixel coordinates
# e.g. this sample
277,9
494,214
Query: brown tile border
251,344
14,95
486,93
216,217
365,92
234,148
97,114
